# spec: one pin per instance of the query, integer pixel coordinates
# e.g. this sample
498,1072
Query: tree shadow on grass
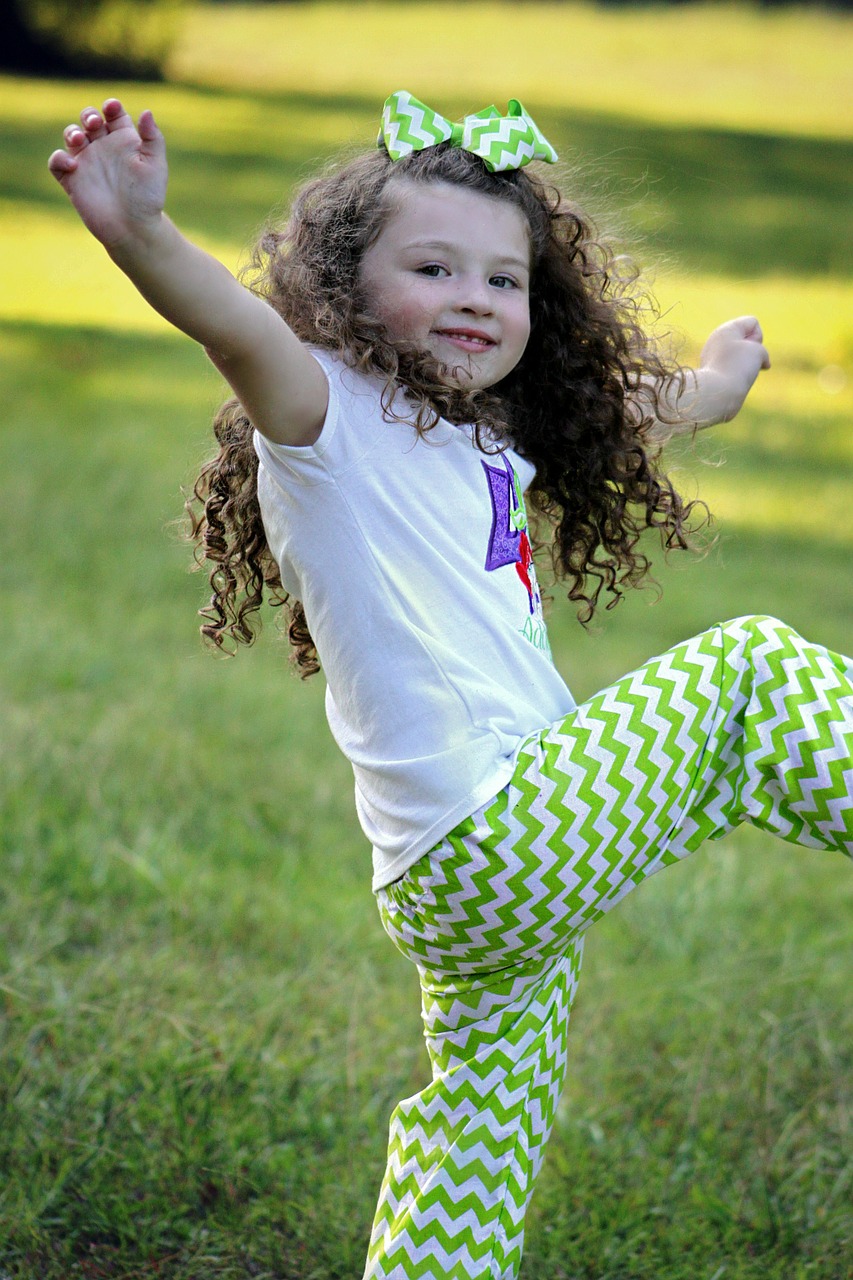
708,199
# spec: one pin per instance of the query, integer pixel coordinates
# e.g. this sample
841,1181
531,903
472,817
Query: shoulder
349,431
343,375
364,396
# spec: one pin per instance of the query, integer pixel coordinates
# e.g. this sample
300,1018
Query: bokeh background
202,1027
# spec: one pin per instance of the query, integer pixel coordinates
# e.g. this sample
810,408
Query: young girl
434,334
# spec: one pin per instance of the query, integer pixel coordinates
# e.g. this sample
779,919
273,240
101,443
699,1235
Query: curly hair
580,404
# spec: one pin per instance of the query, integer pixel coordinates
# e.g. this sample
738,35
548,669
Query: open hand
113,171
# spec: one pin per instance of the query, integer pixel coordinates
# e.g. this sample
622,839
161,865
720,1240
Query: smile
467,339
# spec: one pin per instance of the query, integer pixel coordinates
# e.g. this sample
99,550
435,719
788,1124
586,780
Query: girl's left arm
730,362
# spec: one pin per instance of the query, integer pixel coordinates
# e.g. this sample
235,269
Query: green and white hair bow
501,142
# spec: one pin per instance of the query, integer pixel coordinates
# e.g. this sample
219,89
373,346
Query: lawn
202,1027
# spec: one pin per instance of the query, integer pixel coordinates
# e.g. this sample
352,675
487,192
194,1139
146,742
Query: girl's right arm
115,176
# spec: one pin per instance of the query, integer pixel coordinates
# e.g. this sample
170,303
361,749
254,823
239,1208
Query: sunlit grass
54,273
713,65
236,121
75,283
92,293
807,321
807,327
202,1028
204,1043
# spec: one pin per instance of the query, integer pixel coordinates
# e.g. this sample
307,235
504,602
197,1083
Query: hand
736,354
114,174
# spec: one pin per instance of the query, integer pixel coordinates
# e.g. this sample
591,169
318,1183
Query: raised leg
745,722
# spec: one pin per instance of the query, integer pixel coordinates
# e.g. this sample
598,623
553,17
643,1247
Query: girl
434,334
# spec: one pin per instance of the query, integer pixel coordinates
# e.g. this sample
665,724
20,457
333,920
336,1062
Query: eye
504,282
431,270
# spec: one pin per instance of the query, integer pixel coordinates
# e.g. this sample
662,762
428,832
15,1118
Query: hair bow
501,142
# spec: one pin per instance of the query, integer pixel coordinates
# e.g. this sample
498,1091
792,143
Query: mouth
468,339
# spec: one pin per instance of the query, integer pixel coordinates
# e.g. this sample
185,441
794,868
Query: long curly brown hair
571,406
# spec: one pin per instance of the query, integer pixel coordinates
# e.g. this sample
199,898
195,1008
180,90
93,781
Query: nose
474,297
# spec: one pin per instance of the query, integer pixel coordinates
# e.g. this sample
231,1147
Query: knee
757,634
756,627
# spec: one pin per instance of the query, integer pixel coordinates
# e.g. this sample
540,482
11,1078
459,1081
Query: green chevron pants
747,721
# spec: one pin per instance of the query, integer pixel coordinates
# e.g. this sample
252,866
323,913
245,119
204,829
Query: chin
467,379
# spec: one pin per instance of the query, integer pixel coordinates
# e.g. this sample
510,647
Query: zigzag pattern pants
746,721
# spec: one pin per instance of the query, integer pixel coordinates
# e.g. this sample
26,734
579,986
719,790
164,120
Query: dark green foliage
88,37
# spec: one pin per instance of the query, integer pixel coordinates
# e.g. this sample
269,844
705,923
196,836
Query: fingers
153,142
148,130
748,328
752,329
61,163
115,116
752,332
75,138
742,327
95,124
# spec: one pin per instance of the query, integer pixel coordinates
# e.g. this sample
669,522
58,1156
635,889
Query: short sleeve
304,464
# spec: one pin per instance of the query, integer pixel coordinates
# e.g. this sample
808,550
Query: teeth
467,337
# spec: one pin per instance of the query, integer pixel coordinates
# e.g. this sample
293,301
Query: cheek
521,322
403,314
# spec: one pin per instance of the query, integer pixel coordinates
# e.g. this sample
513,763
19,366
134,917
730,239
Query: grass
200,1044
705,65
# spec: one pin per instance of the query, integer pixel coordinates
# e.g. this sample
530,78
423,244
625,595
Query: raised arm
730,362
115,176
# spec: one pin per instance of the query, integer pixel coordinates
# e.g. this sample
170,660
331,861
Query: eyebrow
510,259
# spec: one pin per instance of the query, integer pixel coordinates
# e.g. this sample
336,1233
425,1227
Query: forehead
444,211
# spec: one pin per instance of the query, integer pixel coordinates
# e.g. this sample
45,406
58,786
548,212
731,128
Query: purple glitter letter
504,540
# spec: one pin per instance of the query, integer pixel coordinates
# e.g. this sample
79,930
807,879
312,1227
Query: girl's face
450,272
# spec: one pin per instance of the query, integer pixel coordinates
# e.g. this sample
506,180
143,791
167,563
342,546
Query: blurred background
202,1027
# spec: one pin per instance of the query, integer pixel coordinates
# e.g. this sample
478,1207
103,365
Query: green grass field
202,1027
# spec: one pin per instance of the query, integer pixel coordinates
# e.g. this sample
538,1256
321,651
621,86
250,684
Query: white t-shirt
411,558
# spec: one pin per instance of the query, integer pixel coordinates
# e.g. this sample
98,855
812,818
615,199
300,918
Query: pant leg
747,721
463,1154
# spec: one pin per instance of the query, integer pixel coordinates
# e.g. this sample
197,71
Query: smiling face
450,272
